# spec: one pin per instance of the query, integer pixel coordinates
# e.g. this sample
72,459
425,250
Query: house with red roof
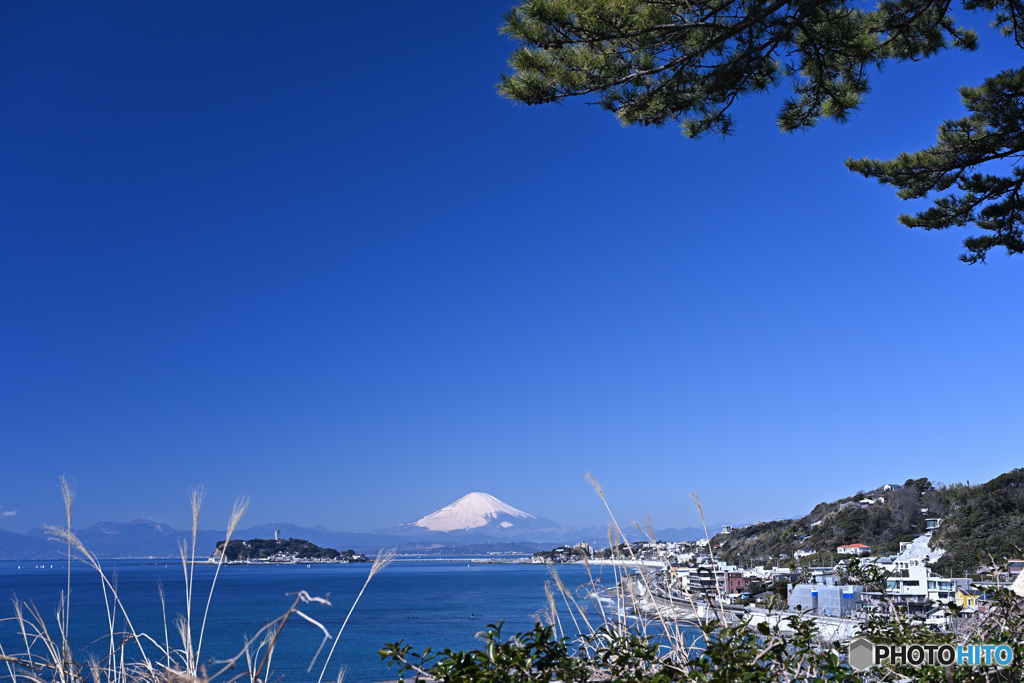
854,549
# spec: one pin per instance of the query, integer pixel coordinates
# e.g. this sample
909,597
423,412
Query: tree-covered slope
985,523
981,523
893,516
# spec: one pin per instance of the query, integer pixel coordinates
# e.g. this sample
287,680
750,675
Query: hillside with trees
980,523
984,525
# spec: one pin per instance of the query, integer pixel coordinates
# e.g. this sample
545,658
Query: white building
585,547
911,582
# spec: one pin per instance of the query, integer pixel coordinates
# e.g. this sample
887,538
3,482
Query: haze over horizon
254,248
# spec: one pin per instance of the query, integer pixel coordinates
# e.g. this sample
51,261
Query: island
281,551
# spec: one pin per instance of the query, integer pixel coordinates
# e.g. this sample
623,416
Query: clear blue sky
305,253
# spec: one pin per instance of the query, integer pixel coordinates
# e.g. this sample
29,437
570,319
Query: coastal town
838,587
684,581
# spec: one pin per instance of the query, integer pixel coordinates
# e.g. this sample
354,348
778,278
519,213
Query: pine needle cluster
651,62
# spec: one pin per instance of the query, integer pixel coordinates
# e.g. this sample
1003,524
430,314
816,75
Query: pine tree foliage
655,61
652,62
991,136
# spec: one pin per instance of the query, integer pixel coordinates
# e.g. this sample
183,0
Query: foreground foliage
732,654
726,653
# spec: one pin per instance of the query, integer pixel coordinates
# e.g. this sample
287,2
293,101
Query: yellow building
967,599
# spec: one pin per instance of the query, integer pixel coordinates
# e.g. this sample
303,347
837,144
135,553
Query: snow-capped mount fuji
481,518
473,511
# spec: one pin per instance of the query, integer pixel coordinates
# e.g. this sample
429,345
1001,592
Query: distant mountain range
476,523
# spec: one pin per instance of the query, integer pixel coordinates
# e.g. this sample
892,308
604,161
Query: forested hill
267,548
978,520
983,521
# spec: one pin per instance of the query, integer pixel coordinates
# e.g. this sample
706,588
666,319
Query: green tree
920,485
651,62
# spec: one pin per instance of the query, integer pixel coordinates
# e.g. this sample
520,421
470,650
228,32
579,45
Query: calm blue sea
435,604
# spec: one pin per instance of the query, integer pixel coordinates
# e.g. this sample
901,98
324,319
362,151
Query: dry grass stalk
383,559
553,610
188,558
67,491
47,655
711,552
57,533
273,630
675,647
237,512
643,577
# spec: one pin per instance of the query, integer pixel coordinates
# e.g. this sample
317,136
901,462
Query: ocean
422,603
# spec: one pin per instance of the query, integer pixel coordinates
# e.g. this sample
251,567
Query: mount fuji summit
472,511
480,517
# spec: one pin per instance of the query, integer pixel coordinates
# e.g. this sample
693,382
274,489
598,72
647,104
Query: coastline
636,564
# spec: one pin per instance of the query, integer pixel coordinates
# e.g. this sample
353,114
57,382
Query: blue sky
305,253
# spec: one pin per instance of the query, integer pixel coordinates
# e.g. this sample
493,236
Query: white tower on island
277,534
